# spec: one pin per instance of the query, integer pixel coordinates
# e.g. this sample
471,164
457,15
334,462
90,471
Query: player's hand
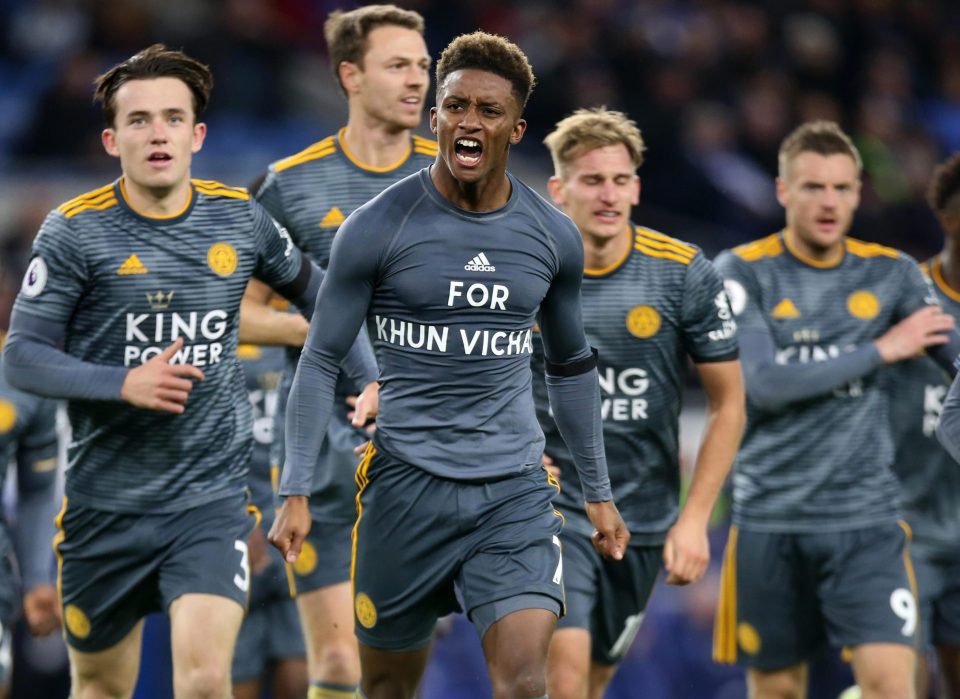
41,609
257,551
361,449
923,328
686,552
551,466
159,385
611,535
365,406
291,527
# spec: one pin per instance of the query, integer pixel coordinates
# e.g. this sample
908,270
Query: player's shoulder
314,153
665,249
393,203
875,253
88,204
427,147
212,189
758,251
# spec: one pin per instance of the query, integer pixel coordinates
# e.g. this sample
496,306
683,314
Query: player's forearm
947,355
774,386
262,325
948,429
721,439
32,362
575,400
35,513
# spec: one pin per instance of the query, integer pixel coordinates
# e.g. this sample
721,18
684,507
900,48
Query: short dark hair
944,187
346,32
822,137
491,53
157,61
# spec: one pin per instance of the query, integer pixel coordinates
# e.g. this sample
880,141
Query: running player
816,554
650,301
452,266
140,282
381,62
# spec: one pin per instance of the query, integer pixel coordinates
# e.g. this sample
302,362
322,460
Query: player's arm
262,324
340,312
709,336
686,549
573,388
36,507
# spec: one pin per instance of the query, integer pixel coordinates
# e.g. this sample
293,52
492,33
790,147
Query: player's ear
555,189
635,194
199,134
350,74
433,119
518,130
109,139
782,195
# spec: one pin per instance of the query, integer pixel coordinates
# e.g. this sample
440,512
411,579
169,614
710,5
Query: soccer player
928,475
381,62
452,266
650,301
816,554
270,641
140,283
27,434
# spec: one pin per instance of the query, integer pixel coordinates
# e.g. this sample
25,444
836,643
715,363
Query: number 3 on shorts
242,579
904,606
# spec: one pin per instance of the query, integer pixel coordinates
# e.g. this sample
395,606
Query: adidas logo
333,218
131,265
479,263
785,309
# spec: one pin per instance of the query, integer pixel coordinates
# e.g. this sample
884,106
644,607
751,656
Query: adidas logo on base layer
480,263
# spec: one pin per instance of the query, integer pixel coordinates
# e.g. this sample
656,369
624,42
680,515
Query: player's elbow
16,363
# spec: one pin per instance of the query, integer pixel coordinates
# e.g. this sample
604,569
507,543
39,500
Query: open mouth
159,158
467,151
607,214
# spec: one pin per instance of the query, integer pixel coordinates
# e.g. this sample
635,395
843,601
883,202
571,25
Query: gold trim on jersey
936,273
819,264
663,246
249,352
725,625
58,539
212,188
425,146
862,249
370,168
599,272
320,149
771,246
97,200
156,217
361,480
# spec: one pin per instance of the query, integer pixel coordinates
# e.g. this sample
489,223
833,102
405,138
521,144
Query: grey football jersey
929,476
664,302
126,286
311,193
823,463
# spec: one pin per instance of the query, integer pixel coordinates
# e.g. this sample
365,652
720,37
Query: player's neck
603,253
373,143
818,255
487,194
160,202
950,265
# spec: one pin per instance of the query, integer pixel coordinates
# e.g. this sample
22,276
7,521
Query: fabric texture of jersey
311,193
822,464
929,477
126,286
645,315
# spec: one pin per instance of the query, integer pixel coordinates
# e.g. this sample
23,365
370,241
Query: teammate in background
929,477
452,266
815,553
270,643
28,435
650,302
140,282
381,63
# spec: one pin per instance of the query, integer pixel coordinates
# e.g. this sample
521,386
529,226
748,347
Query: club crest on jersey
479,263
35,278
132,265
863,305
8,416
643,321
222,258
159,300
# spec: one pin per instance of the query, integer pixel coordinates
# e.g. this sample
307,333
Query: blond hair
588,129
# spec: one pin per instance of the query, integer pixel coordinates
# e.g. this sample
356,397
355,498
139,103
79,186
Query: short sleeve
709,329
56,277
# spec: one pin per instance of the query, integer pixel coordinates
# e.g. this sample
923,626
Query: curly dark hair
156,61
945,185
491,53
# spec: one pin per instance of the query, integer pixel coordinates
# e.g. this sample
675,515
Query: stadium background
714,84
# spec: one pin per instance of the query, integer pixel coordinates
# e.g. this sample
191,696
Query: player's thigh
392,674
866,586
782,683
625,587
407,548
513,548
108,573
768,616
111,672
568,662
203,632
884,669
516,646
327,618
